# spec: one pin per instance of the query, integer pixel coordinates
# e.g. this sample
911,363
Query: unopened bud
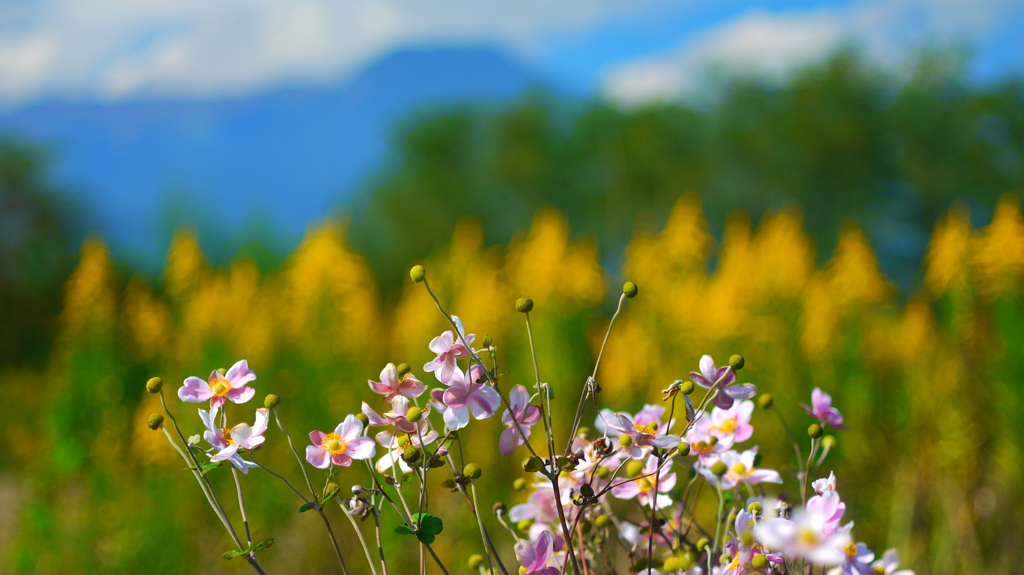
330,491
475,561
719,468
765,401
603,472
417,273
271,401
414,414
634,467
815,431
362,418
602,521
358,490
672,565
403,368
686,387
703,544
625,440
155,421
758,561
472,471
519,484
499,509
487,341
725,559
684,448
629,289
154,384
755,508
828,442
524,305
410,454
222,371
736,362
583,433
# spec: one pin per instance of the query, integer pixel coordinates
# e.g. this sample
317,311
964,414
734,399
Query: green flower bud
519,484
629,289
472,471
686,387
625,440
603,472
684,448
524,305
703,544
828,442
417,273
672,565
222,371
403,439
362,418
586,526
155,421
815,431
500,509
403,368
765,401
736,362
583,433
755,508
719,468
725,559
271,401
758,561
331,491
410,454
154,384
414,414
475,561
634,468
602,521
487,341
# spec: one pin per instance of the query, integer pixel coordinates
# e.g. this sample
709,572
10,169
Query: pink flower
220,387
829,506
534,558
227,442
400,406
642,488
465,394
644,438
449,349
539,506
391,385
709,374
857,560
395,449
822,410
340,447
889,563
734,422
740,469
525,414
705,446
804,537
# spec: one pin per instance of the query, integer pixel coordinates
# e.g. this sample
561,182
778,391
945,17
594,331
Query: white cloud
773,45
122,48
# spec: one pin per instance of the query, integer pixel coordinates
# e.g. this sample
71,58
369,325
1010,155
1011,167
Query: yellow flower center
226,432
807,536
740,469
851,550
220,387
646,484
644,429
333,443
728,425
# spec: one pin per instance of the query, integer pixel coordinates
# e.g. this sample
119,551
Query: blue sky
116,50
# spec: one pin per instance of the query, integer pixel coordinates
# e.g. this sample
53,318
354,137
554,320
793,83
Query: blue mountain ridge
287,156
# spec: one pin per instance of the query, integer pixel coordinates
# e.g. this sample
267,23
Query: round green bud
475,561
686,387
736,362
500,509
222,371
583,433
519,484
625,440
758,561
629,289
602,521
684,448
154,384
828,442
155,421
271,401
417,273
719,468
524,305
634,468
403,368
755,508
414,414
815,431
765,401
524,525
725,559
586,526
603,472
703,544
672,565
362,418
472,471
410,454
487,341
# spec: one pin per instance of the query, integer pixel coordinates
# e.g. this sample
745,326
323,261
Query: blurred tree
39,236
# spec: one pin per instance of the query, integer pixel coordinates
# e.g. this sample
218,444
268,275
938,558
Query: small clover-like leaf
427,538
404,530
263,544
431,525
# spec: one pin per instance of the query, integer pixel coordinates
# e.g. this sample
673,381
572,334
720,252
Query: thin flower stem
359,534
718,523
807,470
241,509
380,545
407,519
291,444
796,447
489,545
654,507
279,476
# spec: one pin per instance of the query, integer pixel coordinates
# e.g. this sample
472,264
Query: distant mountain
286,156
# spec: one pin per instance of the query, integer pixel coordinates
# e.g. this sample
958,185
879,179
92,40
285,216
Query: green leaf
431,525
263,544
427,538
404,530
307,506
534,464
235,553
586,490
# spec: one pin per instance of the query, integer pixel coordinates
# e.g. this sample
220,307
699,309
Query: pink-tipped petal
194,390
350,428
361,448
341,459
240,374
317,437
317,457
241,394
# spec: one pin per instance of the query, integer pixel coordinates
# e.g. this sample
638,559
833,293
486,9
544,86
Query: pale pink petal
707,368
317,457
240,374
525,553
341,459
627,490
543,549
442,343
350,428
194,390
259,427
317,437
241,394
521,512
225,453
361,448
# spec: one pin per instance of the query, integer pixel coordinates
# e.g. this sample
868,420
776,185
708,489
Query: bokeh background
831,189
